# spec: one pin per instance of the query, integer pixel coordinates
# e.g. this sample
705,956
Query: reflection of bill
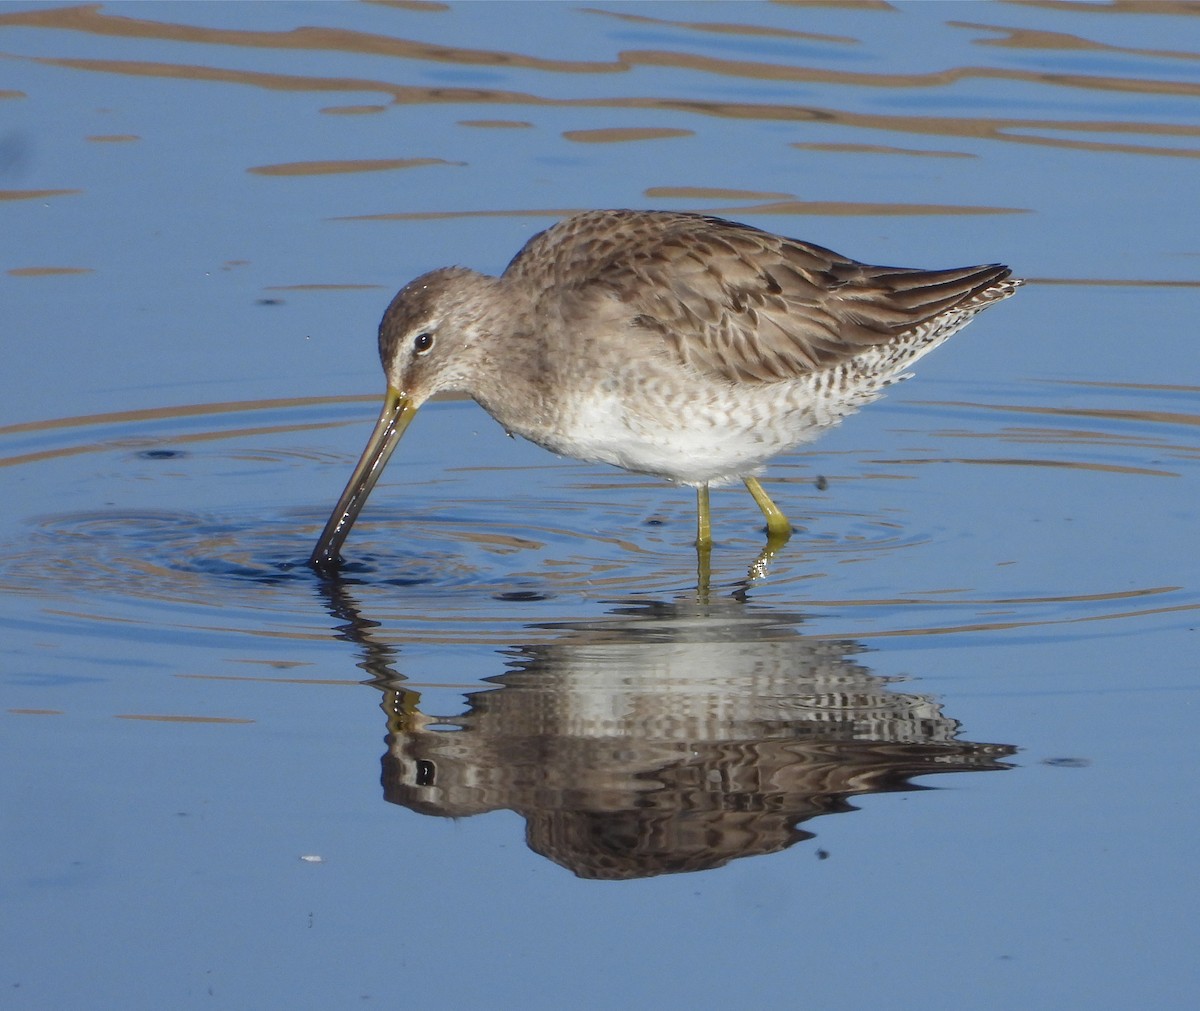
667,737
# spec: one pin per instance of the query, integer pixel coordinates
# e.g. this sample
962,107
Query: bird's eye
422,343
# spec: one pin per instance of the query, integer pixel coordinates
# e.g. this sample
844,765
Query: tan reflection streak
157,718
322,168
112,138
1170,8
932,79
851,5
36,194
1030,38
825,208
989,461
508,541
838,208
942,601
352,110
1168,387
496,124
271,663
1004,626
1097,145
722,28
617,135
37,712
1058,437
175,440
281,681
1150,417
536,212
1102,282
951,126
710,193
48,271
258,633
323,287
987,129
425,6
90,19
882,149
6,93
186,411
401,94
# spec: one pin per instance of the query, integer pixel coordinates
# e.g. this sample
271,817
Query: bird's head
433,338
434,334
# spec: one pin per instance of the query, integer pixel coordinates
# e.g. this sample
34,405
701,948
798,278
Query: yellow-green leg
703,543
703,518
778,527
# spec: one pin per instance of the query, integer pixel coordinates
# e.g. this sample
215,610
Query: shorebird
671,344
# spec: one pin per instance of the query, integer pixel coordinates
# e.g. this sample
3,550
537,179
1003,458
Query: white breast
695,434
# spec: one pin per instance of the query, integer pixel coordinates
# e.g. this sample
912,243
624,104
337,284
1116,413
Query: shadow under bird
672,344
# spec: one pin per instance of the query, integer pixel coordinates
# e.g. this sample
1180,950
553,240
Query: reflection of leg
761,566
703,571
703,520
778,527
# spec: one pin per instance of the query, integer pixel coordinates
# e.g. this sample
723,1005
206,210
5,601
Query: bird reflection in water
663,737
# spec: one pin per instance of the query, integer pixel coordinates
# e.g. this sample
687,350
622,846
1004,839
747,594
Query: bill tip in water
325,562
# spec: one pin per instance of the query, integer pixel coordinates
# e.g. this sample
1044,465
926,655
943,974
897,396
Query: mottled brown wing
738,302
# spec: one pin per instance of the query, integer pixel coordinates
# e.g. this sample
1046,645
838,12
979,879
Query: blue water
522,755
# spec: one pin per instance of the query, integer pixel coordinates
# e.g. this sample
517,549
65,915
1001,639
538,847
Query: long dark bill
397,412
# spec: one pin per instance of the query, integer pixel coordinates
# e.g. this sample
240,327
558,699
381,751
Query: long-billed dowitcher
672,344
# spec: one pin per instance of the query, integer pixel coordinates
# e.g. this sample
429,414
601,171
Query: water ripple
451,560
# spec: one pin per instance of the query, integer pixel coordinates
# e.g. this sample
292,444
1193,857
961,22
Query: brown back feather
739,302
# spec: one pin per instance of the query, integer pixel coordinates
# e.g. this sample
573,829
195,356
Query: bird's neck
515,379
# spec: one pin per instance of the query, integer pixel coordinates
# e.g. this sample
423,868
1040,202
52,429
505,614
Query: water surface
518,747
